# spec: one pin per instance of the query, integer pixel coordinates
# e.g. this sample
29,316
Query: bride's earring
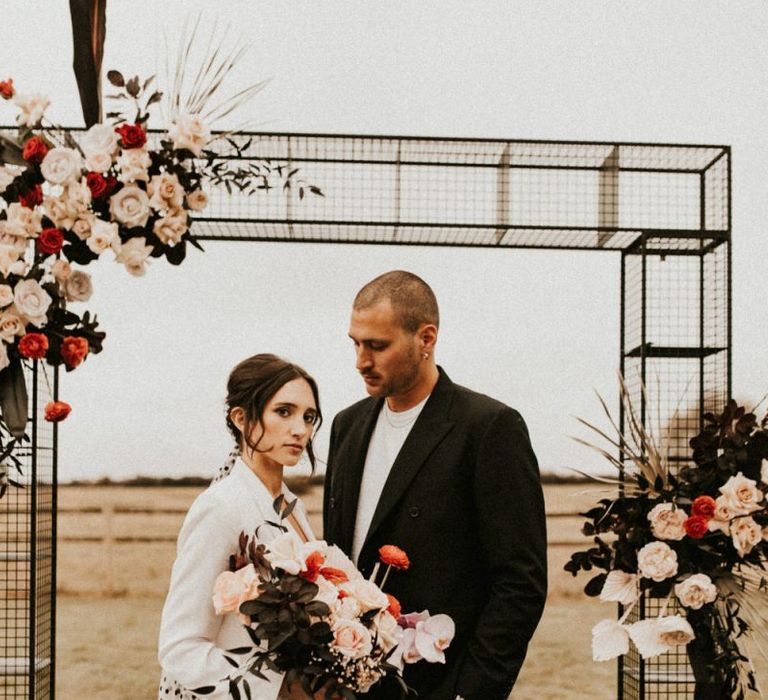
425,355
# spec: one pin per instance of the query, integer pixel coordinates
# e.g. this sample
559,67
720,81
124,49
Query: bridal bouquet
311,614
697,539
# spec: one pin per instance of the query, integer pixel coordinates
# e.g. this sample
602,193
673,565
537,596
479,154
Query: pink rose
232,588
351,639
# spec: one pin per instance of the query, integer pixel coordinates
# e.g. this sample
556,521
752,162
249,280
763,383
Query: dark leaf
231,662
132,86
13,398
234,692
595,585
116,78
204,690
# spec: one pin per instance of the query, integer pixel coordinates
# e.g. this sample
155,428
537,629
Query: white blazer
192,635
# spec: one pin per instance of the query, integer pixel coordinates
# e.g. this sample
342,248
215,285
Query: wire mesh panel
27,558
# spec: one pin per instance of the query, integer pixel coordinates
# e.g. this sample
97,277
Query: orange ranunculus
394,556
6,89
394,606
335,576
56,411
313,564
33,345
704,506
73,350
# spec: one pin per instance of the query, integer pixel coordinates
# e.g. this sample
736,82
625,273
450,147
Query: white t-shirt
386,441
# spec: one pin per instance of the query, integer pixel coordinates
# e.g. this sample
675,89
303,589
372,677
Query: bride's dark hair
251,385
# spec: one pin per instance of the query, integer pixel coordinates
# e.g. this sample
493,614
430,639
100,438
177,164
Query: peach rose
742,494
6,295
197,200
133,165
103,235
745,533
130,206
77,286
61,270
11,326
657,561
232,588
667,521
351,639
696,591
165,192
133,254
171,227
188,131
724,513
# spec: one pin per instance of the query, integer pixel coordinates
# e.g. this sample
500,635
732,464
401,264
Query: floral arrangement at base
311,614
116,190
697,538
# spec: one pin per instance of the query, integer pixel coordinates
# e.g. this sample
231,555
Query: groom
449,476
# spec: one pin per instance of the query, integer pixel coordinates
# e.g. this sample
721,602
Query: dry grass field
111,595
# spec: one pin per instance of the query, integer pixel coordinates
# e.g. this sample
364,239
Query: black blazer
464,500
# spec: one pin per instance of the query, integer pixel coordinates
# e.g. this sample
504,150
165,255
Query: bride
272,413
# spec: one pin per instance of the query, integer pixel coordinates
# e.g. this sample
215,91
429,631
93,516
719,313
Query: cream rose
32,301
165,192
346,608
6,295
130,206
696,591
61,270
11,326
20,268
78,286
170,228
188,131
742,494
69,206
667,521
234,588
62,165
133,164
367,593
32,108
387,630
724,513
98,162
82,226
133,254
351,639
100,138
745,533
103,235
197,200
22,222
657,561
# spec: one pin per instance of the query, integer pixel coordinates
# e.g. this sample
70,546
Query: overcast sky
536,329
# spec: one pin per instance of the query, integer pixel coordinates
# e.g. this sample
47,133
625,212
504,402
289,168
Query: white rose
170,228
346,608
696,591
657,561
22,222
367,593
61,165
98,162
4,361
745,533
11,326
103,235
133,254
130,206
165,192
133,164
351,639
197,200
388,631
32,301
61,270
667,521
742,494
188,131
6,295
32,108
78,286
100,138
327,593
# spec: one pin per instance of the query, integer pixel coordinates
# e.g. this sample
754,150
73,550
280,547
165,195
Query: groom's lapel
352,458
430,428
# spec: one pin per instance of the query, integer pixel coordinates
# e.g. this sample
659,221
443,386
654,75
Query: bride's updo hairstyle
251,385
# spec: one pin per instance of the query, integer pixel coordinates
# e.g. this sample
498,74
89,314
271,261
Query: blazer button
332,502
413,511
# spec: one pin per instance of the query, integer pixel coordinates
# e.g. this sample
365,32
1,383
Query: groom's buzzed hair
412,299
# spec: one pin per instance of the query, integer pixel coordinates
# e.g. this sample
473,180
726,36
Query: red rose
394,556
696,526
32,197
50,241
335,576
73,350
56,411
394,606
35,150
6,89
96,184
313,563
132,135
704,506
33,345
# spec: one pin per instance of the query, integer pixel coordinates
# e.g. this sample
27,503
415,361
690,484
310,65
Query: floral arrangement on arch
311,614
698,539
117,191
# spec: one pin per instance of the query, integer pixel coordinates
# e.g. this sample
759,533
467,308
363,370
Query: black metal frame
660,206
